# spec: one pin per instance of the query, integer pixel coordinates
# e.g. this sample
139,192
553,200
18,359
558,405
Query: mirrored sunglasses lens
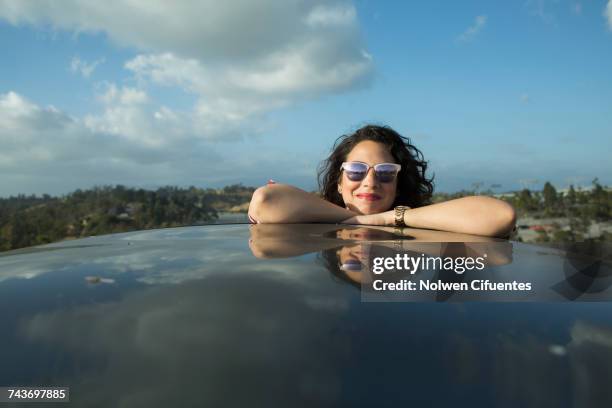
385,173
355,171
385,177
352,265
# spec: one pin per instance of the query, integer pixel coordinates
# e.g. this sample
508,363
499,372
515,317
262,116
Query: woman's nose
370,178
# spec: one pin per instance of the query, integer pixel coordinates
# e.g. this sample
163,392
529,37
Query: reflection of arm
284,241
426,235
288,240
282,203
268,249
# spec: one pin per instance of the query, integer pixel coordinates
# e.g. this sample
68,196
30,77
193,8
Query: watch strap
399,215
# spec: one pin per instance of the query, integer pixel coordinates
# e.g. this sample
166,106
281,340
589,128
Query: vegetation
573,212
33,220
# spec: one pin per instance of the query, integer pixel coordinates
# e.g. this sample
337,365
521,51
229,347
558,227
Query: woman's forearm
477,215
282,203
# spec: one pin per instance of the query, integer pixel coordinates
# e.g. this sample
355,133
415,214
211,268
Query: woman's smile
368,196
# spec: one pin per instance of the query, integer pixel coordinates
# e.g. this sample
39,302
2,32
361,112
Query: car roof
230,315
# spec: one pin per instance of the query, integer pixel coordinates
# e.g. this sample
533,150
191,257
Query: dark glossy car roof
232,315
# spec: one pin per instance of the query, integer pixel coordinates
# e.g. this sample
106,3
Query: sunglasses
351,265
384,172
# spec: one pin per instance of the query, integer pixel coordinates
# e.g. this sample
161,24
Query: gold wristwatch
399,215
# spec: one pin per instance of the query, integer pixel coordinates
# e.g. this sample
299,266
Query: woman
376,177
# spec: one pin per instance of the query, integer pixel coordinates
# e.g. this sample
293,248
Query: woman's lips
368,197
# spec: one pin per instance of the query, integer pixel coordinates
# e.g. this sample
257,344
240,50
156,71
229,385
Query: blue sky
208,94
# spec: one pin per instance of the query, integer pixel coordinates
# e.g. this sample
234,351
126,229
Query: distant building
504,195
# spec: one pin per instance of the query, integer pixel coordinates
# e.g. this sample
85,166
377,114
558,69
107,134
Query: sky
148,93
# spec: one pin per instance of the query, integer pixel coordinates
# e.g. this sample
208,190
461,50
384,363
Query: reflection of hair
413,187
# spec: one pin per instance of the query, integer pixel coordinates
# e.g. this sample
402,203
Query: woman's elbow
506,219
260,198
264,203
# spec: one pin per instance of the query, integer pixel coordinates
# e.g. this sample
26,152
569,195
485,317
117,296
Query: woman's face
368,196
352,260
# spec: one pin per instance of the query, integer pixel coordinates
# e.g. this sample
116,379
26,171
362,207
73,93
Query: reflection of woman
347,251
376,177
352,263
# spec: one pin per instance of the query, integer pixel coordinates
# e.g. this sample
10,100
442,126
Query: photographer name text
459,265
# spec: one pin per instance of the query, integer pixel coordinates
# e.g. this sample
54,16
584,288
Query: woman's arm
282,203
478,215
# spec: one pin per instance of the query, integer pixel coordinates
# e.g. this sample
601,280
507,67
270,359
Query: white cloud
270,83
130,141
124,96
116,135
269,35
474,29
133,333
608,14
232,98
340,14
238,60
83,67
200,29
128,116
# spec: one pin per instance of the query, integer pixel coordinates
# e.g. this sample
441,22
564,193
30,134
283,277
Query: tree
550,195
526,202
571,195
599,202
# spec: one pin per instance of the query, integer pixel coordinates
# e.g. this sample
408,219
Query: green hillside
34,220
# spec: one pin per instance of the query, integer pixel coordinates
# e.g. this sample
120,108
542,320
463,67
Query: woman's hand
386,218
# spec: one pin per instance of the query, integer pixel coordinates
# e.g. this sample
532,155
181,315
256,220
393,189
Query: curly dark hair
414,189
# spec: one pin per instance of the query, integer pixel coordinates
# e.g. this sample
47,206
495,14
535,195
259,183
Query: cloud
474,29
234,96
175,333
204,29
339,14
49,137
608,14
239,61
273,45
131,141
525,98
86,69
